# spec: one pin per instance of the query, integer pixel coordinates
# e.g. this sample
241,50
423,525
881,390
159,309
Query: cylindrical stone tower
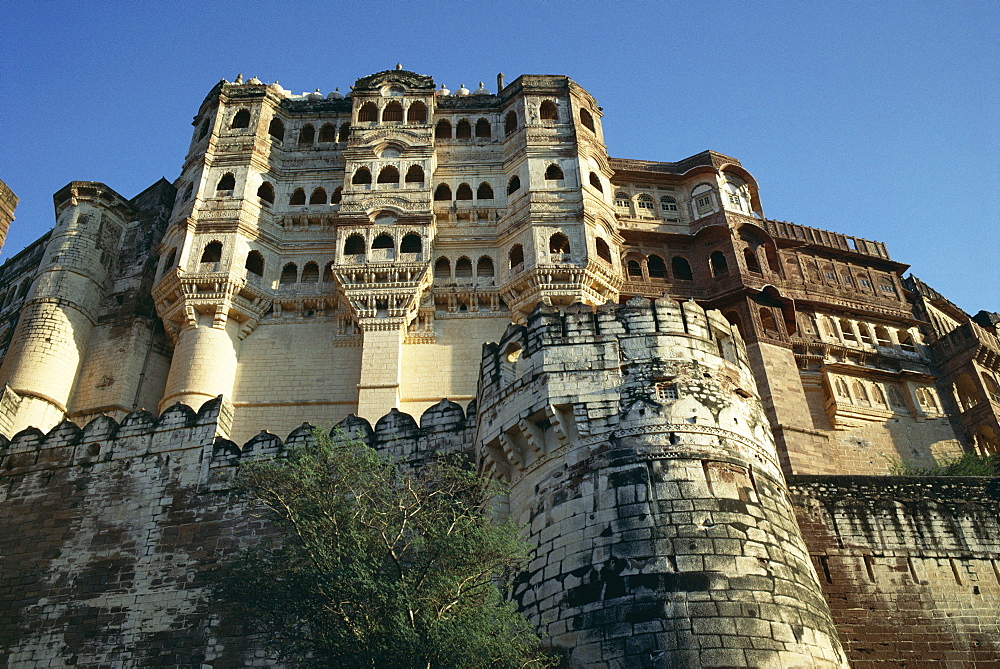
641,462
62,306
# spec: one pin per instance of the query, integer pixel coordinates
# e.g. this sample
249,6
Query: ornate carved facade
321,256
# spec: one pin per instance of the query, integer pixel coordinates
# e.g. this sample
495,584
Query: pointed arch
318,196
388,175
463,130
307,135
226,185
266,193
255,263
327,133
345,132
484,192
393,112
414,175
298,197
362,177
548,111
276,129
442,193
368,113
483,129
241,119
554,173
417,113
464,192
289,274
443,129
310,273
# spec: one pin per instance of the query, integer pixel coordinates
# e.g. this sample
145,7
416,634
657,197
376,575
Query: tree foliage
969,464
379,566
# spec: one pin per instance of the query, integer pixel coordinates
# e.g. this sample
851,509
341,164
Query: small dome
315,95
255,81
443,91
336,95
481,90
462,91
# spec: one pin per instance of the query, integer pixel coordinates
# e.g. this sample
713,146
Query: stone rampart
111,533
909,565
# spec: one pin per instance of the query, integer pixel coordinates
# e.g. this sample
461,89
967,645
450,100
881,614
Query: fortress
697,408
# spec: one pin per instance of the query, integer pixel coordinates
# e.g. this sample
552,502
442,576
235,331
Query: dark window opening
681,269
559,243
307,135
603,251
204,129
266,193
415,175
393,113
464,192
484,268
417,113
212,252
328,133
718,263
255,263
463,130
548,111
383,241
442,130
513,185
318,196
310,273
587,120
411,243
289,274
276,129
362,177
335,198
388,175
226,183
484,192
354,246
442,193
516,255
368,112
553,173
510,123
595,181
656,267
242,119
298,197
345,132
483,129
442,268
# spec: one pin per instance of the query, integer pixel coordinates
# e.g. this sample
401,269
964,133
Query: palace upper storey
326,255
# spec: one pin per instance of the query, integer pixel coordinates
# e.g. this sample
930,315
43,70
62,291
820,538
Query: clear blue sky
875,119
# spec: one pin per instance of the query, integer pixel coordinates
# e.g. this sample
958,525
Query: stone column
378,391
205,361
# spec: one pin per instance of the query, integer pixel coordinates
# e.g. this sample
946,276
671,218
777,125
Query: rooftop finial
239,78
399,66
499,83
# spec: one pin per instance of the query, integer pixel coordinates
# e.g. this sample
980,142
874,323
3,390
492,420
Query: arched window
668,205
355,245
767,322
442,193
417,113
633,269
841,388
327,133
298,197
553,173
681,269
442,268
484,192
414,175
622,200
307,135
410,243
603,250
559,243
864,282
204,129
906,341
882,336
345,132
362,177
318,196
513,185
393,113
463,268
464,192
255,263
188,192
735,320
771,255
310,273
484,268
383,241
516,256
992,388
860,394
212,252
510,123
966,392
751,260
656,267
483,129
595,181
335,198
587,120
368,112
443,129
388,175
171,259
702,196
266,193
328,273
289,274
276,129
226,184
878,397
241,119
645,204
463,130
717,261
548,111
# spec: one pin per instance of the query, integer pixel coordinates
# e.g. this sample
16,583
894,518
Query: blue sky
878,119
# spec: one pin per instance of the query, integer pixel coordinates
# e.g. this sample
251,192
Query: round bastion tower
61,310
640,460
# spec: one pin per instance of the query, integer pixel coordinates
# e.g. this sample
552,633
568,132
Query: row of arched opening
393,112
383,245
318,196
840,276
15,292
464,269
328,134
654,268
463,129
464,192
870,394
389,174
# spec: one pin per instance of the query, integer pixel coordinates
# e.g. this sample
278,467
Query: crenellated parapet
641,462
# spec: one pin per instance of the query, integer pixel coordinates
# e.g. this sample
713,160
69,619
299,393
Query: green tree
379,566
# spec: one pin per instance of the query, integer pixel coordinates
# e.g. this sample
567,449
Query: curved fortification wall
640,458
